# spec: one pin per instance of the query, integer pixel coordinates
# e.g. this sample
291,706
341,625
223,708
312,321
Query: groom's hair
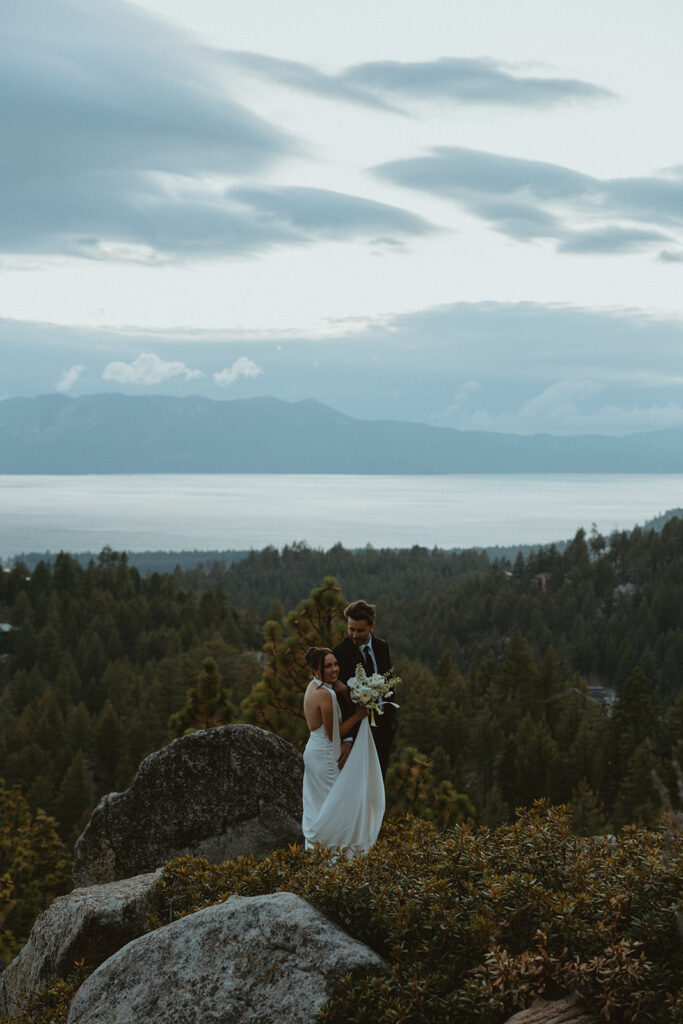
360,610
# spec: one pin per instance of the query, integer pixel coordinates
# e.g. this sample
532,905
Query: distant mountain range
112,433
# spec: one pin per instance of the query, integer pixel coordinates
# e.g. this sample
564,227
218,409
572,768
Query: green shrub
51,1005
477,923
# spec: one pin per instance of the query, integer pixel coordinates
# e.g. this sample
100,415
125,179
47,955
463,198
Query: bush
478,923
34,868
50,1006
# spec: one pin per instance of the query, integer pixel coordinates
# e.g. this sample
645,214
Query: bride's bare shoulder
313,692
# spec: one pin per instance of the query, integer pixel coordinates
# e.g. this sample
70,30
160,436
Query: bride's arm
359,713
325,703
327,706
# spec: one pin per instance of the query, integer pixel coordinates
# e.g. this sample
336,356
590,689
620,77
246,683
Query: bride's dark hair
315,659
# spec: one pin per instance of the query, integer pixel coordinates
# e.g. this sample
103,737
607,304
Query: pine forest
559,676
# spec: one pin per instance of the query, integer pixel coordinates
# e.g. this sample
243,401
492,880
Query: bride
341,808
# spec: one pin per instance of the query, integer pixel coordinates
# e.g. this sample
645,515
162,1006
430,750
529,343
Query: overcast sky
463,213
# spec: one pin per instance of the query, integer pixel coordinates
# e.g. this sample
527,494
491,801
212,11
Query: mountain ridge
116,433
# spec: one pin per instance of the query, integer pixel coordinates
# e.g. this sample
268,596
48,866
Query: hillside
113,433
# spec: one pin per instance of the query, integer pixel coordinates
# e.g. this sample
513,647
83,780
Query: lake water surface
216,512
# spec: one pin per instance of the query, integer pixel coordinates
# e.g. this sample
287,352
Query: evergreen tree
537,758
409,785
485,749
674,726
637,800
75,799
450,807
588,813
208,704
634,719
276,701
78,730
34,868
107,748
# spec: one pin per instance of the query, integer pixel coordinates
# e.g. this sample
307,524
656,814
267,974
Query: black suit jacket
348,656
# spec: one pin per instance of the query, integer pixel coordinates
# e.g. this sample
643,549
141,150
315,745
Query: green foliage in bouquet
477,923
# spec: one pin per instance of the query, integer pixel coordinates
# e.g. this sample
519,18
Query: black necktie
367,662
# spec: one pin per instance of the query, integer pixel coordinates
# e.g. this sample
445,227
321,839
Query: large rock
88,924
217,794
260,959
556,1011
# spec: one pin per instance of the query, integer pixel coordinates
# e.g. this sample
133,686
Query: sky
461,213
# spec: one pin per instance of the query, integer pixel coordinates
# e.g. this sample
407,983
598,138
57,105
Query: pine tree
276,701
588,813
450,807
637,800
75,799
208,704
634,719
409,785
34,868
536,762
107,748
78,730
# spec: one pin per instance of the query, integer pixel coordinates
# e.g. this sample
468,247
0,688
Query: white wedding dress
342,808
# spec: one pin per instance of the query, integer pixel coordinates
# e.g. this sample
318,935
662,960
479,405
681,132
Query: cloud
572,418
457,172
468,80
242,367
613,239
120,138
304,77
667,256
566,407
531,199
560,400
471,81
104,98
303,213
517,367
69,378
148,368
518,220
461,397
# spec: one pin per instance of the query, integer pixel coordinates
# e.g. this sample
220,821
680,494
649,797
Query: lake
218,512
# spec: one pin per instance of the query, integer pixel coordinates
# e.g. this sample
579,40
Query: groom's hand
345,751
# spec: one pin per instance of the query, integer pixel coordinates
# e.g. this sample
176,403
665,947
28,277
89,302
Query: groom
361,646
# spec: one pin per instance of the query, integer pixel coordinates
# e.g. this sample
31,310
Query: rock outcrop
88,924
218,794
261,959
556,1011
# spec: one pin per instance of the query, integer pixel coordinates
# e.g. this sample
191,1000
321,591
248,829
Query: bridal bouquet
369,690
